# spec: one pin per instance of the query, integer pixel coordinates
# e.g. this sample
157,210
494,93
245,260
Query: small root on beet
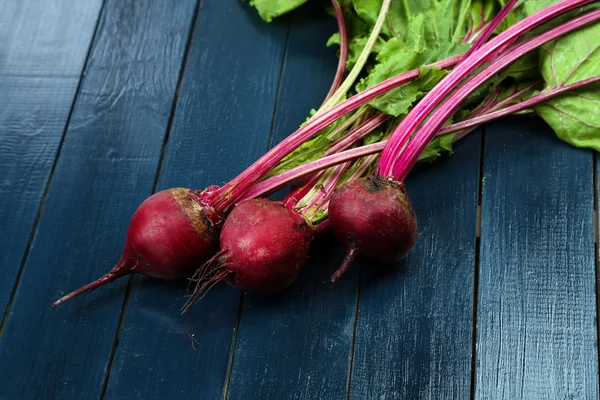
189,333
205,278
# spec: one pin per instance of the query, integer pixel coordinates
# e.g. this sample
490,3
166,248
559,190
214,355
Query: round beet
169,235
266,244
373,218
263,248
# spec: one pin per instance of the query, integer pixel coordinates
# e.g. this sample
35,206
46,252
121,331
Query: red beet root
263,248
169,236
372,218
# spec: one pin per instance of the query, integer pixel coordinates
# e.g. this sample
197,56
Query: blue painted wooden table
104,102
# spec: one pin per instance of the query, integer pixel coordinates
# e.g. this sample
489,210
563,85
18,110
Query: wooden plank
40,66
46,37
106,168
297,344
414,327
536,328
221,125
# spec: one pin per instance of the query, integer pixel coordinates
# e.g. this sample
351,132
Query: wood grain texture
414,327
38,81
106,168
536,328
297,344
221,125
43,38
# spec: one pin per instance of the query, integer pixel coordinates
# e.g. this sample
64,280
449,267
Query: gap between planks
352,345
481,179
596,263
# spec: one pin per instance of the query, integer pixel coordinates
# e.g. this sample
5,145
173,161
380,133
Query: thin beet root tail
206,277
170,234
124,267
349,258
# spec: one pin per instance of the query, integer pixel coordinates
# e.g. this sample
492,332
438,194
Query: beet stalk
356,212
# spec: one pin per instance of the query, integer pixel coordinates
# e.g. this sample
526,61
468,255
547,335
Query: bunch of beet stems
264,244
311,198
373,217
267,262
176,230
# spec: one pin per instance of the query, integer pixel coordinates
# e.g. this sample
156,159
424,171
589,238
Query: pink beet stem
538,98
490,27
277,182
342,144
355,135
122,268
341,67
435,96
224,197
428,130
317,199
487,107
313,202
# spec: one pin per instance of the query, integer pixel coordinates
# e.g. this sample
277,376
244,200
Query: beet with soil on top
169,236
372,218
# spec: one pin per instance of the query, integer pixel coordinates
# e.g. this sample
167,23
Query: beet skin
265,245
374,219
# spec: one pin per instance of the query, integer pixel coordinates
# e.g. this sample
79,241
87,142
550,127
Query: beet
169,236
372,218
263,248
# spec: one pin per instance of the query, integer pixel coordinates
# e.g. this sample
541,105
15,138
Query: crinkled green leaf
357,31
269,9
417,32
439,145
570,59
445,20
355,47
399,101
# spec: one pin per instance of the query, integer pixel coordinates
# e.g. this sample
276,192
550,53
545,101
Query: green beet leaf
269,9
568,60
